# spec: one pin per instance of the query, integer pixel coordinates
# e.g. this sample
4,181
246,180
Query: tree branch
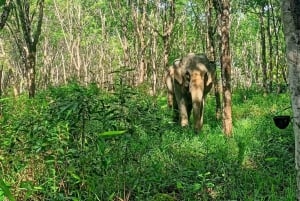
25,22
38,30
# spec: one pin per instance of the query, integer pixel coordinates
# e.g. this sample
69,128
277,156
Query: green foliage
81,143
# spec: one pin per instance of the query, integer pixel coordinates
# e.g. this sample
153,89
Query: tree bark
263,48
211,53
168,17
226,67
291,27
139,18
31,38
270,34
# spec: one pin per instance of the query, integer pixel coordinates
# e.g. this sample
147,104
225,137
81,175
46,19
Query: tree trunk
30,69
154,64
30,39
226,67
276,22
263,49
291,27
141,30
270,34
211,52
167,30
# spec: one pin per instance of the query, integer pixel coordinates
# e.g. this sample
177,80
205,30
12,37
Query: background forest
90,41
83,109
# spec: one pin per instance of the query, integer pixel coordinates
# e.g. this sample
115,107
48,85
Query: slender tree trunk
167,30
124,36
270,33
211,52
166,52
291,27
276,27
141,29
226,67
154,64
30,69
30,38
263,49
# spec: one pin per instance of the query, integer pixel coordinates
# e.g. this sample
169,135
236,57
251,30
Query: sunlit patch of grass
249,163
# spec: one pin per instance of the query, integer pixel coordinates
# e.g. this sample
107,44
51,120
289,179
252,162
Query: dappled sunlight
249,163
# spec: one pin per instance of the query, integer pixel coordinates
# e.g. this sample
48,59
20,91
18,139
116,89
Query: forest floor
79,143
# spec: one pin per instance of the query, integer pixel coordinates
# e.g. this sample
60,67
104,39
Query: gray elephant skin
188,81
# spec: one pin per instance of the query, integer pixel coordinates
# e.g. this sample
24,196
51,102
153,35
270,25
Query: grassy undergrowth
63,145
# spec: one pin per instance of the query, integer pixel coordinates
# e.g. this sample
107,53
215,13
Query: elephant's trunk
198,109
197,93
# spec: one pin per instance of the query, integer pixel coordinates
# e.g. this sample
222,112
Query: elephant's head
195,71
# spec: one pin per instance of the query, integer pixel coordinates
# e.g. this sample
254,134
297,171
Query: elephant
188,81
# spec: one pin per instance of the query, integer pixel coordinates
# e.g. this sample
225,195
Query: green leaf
271,159
75,176
112,133
38,188
6,190
179,185
197,187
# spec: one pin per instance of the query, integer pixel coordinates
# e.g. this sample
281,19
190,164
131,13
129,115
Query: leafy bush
81,143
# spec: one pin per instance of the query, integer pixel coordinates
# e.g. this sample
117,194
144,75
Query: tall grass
80,143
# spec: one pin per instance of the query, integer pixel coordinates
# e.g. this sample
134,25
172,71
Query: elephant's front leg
175,111
183,112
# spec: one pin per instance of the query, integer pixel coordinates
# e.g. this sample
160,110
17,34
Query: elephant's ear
171,71
178,75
